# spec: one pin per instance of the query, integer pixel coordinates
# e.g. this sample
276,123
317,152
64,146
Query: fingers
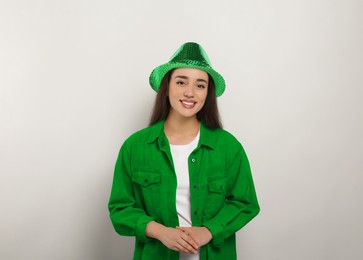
182,228
186,230
201,235
190,240
189,237
185,247
179,241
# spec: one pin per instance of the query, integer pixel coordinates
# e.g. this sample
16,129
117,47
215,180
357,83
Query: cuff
141,228
217,233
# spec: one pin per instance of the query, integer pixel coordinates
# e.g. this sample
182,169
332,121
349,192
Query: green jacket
223,196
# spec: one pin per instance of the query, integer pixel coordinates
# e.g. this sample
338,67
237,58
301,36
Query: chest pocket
217,186
147,188
216,196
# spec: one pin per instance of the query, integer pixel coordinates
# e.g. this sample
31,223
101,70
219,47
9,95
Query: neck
181,130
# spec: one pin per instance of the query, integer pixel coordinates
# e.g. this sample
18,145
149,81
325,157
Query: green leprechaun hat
189,55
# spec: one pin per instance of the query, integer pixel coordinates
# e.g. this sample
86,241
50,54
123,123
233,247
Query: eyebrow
185,77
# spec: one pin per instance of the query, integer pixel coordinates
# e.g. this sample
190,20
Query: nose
189,91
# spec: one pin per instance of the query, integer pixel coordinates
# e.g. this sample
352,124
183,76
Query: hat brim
158,74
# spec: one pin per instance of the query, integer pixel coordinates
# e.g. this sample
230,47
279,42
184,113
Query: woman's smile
188,89
188,104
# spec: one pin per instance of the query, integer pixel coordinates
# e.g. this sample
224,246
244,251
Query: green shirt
223,197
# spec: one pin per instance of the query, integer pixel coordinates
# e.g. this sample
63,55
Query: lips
188,103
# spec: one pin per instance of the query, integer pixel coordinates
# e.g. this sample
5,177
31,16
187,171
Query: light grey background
74,85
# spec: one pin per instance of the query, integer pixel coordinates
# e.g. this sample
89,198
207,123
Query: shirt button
195,186
146,180
193,160
195,212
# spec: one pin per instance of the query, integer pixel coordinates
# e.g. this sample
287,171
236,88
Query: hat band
193,63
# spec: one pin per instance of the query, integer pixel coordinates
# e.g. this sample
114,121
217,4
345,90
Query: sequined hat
189,55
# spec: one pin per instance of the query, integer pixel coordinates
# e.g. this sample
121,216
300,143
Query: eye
201,86
180,82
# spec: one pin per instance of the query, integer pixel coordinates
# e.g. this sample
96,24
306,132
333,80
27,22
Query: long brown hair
209,113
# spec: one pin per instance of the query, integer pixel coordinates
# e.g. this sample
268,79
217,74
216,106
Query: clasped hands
181,239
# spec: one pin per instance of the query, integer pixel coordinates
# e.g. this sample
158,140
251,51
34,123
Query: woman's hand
178,240
201,235
172,238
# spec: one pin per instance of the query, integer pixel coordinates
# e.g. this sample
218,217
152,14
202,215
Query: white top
180,154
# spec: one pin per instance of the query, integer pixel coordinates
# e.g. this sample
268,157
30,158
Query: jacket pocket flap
217,186
145,178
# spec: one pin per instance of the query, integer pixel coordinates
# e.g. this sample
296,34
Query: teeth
188,103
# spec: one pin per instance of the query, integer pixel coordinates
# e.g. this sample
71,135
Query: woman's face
188,89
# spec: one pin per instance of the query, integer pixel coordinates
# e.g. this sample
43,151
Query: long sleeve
127,219
241,202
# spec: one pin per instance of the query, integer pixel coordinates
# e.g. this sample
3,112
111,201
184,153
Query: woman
183,186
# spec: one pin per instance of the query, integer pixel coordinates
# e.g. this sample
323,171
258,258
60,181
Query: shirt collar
157,132
207,137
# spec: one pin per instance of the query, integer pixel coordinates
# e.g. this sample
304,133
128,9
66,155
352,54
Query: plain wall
74,84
